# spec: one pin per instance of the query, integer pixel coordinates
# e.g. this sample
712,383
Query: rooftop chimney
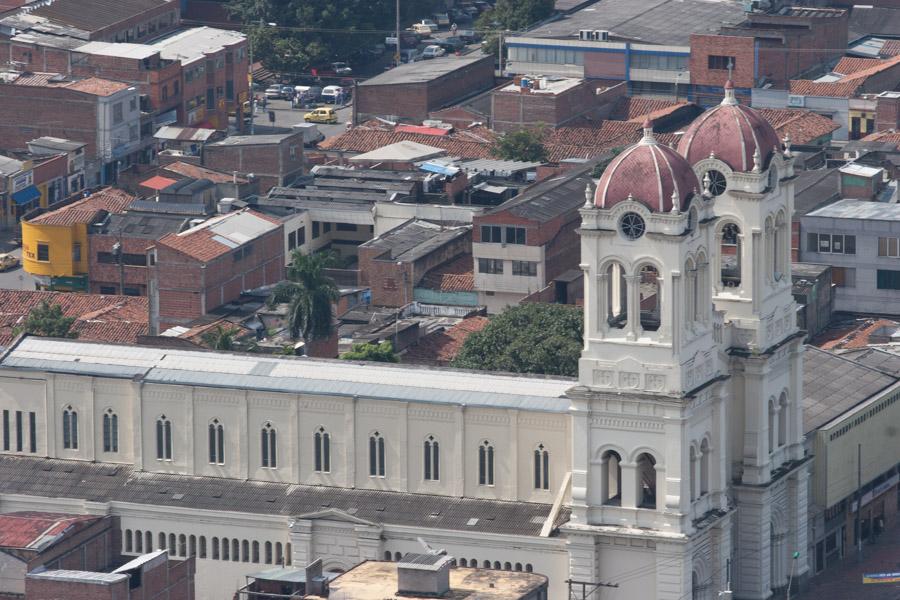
423,575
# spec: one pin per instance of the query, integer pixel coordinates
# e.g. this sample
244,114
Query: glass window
376,455
43,252
888,247
216,443
524,268
432,460
322,450
843,277
491,234
493,266
269,447
888,280
720,63
6,430
515,235
486,463
118,113
315,229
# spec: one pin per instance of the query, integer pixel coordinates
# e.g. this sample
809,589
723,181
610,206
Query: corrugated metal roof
291,375
859,209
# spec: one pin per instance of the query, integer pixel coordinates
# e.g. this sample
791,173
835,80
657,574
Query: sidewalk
844,582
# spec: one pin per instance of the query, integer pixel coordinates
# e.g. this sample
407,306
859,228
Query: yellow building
55,243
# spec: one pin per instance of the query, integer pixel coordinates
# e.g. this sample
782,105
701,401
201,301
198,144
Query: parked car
433,51
341,68
8,261
330,93
451,44
431,25
421,29
274,92
325,114
410,55
442,19
469,36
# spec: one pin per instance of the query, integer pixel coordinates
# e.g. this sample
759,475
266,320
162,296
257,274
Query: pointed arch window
611,482
70,428
782,419
376,455
730,256
269,447
486,463
216,443
704,467
163,438
541,468
110,431
432,459
322,450
616,296
646,481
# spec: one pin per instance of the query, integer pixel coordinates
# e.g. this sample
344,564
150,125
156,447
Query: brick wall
413,101
739,47
887,112
108,275
273,164
29,112
153,22
513,110
43,589
94,548
563,251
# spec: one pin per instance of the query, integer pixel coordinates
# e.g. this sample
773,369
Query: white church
672,469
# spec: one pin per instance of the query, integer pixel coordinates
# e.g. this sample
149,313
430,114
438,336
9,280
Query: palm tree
309,293
219,338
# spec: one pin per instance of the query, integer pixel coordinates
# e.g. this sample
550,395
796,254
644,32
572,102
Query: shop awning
29,194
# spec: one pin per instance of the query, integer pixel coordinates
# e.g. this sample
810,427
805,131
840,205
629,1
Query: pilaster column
660,487
629,484
602,293
795,403
634,306
582,551
301,537
580,457
716,256
589,303
757,271
663,298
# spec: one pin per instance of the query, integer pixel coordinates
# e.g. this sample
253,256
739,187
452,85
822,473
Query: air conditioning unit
585,34
600,35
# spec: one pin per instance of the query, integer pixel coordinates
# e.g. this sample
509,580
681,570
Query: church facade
671,467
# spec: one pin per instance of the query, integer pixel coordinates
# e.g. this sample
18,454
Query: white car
433,51
430,25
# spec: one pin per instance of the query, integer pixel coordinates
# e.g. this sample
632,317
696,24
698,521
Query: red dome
650,173
733,132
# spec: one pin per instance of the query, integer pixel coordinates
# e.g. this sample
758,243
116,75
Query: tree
309,293
48,320
383,352
529,338
514,15
524,144
219,338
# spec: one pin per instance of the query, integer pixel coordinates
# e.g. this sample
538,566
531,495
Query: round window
632,226
717,182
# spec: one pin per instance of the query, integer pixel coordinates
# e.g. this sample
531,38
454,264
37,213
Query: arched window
376,455
279,554
148,542
691,220
235,550
226,549
646,480
650,298
432,459
287,554
322,450
245,551
182,545
202,546
192,545
128,541
215,548
486,463
162,541
730,256
397,556
163,438
138,541
173,544
387,555
779,253
692,479
255,547
269,447
518,566
541,468
690,291
268,547
782,419
507,566
497,565
486,564
529,568
701,290
773,424
463,562
611,473
70,428
616,296
216,443
110,431
704,467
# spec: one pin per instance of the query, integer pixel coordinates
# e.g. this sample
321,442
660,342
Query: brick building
274,160
530,102
394,263
521,246
103,114
409,92
206,266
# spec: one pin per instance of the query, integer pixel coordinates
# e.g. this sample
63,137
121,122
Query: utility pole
397,33
726,593
500,52
587,588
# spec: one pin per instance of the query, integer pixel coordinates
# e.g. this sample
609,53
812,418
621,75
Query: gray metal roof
832,385
290,375
859,209
97,482
875,358
95,577
424,71
252,140
414,239
549,199
57,143
666,22
813,189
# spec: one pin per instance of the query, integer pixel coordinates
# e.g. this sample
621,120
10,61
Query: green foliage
383,352
219,338
324,30
47,320
529,338
524,144
514,15
601,166
309,293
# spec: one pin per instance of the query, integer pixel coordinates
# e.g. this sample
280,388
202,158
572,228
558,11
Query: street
14,279
286,117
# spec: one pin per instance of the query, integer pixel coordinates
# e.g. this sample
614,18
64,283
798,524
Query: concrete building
103,114
520,246
275,159
530,102
74,152
409,92
813,291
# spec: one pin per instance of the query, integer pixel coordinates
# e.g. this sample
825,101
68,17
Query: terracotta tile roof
97,87
852,335
204,243
890,48
889,137
197,172
99,317
474,142
591,141
442,347
852,64
452,276
882,65
157,182
111,200
835,89
628,108
803,126
32,530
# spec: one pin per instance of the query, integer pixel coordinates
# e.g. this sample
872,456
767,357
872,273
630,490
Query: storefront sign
881,577
877,491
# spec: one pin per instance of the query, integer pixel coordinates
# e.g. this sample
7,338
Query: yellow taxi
325,114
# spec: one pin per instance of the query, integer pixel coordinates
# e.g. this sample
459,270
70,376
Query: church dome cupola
733,133
650,173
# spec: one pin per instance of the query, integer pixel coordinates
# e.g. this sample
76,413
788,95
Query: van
330,93
421,29
312,92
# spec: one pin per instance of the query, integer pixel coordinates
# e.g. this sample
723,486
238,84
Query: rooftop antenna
429,549
730,68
